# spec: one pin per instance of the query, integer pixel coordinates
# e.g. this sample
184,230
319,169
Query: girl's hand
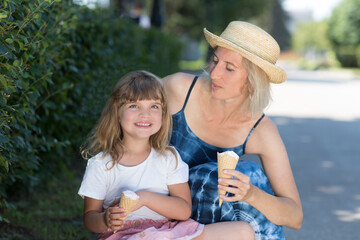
240,186
115,202
114,218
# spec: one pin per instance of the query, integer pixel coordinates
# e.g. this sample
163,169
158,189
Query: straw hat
252,43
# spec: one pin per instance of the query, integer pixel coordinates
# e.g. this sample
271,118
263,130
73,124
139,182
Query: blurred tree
188,18
158,14
316,48
191,17
119,6
274,19
305,40
278,25
344,32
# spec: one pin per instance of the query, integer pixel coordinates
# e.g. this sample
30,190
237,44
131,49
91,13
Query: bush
59,62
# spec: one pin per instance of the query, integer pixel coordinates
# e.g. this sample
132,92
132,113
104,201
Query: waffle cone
127,203
225,161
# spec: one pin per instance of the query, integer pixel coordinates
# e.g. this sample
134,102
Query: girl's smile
142,124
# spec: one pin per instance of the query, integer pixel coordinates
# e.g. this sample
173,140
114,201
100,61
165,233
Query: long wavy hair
108,135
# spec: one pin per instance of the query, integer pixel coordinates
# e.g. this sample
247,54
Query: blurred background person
139,16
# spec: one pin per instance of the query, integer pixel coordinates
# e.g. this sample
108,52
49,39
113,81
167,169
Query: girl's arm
285,207
175,206
97,220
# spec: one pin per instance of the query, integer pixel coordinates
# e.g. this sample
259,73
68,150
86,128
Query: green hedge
59,61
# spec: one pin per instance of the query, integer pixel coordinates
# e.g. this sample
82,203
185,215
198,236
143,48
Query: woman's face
228,75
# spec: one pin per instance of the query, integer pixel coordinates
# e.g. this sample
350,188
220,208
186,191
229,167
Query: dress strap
189,92
251,131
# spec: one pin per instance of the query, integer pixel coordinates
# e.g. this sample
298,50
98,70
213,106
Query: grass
356,71
192,65
52,211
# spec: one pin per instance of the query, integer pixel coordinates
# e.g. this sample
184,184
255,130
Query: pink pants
147,229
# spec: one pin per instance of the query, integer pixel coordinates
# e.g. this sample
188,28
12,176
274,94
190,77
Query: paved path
318,116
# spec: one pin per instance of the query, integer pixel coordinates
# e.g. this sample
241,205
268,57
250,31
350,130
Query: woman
225,112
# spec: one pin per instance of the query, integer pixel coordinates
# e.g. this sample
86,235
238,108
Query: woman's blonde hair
108,135
258,87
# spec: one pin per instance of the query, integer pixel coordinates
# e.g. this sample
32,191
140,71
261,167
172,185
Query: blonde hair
108,135
258,88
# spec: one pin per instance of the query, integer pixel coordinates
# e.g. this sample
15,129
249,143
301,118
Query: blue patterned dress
203,180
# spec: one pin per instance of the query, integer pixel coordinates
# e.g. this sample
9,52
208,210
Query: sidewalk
318,117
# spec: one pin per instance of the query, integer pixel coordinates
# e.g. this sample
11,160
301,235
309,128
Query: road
318,116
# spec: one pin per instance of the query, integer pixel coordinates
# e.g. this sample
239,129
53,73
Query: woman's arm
285,207
175,206
97,220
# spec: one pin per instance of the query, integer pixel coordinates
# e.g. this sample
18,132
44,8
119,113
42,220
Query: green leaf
3,82
4,139
16,63
4,163
3,15
20,44
9,40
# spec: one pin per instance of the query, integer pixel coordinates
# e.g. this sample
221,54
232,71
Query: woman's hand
240,186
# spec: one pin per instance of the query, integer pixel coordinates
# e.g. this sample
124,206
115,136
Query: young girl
130,152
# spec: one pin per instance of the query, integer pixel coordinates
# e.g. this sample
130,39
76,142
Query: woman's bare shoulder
267,129
264,136
177,86
268,124
177,82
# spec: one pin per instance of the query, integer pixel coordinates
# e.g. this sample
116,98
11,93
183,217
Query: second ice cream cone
226,160
128,201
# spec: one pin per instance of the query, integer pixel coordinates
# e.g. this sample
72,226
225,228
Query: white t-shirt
154,174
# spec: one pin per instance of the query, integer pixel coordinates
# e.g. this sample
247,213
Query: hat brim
275,73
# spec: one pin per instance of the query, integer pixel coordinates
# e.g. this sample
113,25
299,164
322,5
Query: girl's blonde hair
108,135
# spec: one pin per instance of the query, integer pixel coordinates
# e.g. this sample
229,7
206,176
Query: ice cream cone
128,201
226,160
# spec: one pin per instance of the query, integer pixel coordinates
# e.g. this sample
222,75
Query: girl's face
228,75
141,119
